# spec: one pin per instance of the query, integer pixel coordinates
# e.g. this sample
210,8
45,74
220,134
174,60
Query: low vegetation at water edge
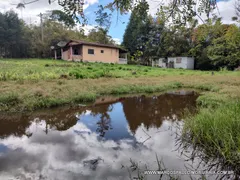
215,133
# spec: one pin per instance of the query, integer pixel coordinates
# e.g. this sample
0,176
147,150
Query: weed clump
9,99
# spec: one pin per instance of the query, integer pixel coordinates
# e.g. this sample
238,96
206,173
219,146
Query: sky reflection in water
58,143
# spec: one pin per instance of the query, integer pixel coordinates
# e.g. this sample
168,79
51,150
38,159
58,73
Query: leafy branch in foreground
180,11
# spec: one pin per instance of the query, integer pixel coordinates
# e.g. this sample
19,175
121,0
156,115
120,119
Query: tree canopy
180,11
213,44
21,40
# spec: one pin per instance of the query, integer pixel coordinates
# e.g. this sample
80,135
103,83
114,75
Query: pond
114,138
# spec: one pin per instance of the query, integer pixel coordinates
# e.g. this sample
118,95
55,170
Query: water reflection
63,143
152,111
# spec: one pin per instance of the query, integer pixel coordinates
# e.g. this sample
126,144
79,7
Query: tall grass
216,133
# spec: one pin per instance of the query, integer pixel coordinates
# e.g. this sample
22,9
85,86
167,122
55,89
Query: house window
102,51
90,51
179,60
75,51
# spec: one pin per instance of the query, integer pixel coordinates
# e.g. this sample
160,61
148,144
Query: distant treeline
21,40
213,44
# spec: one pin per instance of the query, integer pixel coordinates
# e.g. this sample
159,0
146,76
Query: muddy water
101,141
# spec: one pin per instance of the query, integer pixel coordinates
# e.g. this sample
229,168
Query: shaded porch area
71,53
122,56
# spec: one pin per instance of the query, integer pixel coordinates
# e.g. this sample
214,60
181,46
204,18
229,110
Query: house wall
190,63
76,57
65,54
161,63
179,62
110,55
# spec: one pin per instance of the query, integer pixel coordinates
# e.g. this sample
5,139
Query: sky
119,22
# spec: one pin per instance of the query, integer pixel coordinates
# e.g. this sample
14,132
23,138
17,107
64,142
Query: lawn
32,84
34,69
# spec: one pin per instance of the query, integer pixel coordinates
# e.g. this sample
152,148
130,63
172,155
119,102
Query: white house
175,62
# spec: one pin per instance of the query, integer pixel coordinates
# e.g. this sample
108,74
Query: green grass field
34,69
32,84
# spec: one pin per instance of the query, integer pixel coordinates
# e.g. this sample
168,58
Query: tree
224,51
62,17
202,37
13,41
216,45
180,11
53,33
136,28
148,38
19,40
100,33
103,18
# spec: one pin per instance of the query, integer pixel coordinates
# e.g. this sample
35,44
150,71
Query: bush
77,74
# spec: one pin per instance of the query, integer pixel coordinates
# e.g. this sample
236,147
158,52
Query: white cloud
155,4
117,41
87,28
225,9
31,11
64,154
